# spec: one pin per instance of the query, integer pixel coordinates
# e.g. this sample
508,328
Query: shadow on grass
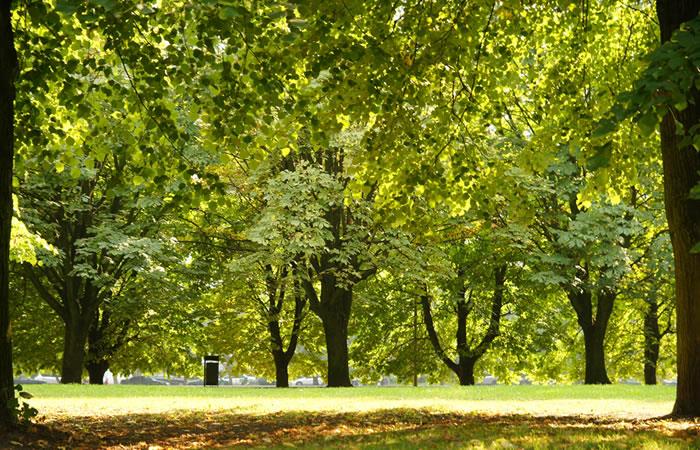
395,428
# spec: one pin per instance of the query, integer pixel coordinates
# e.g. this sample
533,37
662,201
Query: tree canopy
352,189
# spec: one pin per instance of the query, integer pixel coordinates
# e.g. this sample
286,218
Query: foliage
174,153
20,409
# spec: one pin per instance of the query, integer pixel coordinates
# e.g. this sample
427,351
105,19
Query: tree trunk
335,315
96,371
277,293
8,72
594,339
652,340
465,371
96,362
281,369
73,354
681,174
594,329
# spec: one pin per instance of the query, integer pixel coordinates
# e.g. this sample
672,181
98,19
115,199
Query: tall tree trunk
594,329
465,371
335,316
96,362
279,356
415,344
8,72
652,340
594,340
96,370
681,174
73,353
465,358
281,369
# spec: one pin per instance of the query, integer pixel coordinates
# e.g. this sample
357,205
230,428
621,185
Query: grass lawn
366,417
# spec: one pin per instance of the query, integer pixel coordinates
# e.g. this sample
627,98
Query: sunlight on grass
479,417
617,401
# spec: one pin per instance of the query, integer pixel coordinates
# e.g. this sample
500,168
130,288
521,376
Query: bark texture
682,173
8,73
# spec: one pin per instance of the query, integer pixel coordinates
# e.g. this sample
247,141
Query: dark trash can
211,370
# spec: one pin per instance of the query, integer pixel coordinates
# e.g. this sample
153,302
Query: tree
682,175
467,353
648,290
311,206
389,336
103,231
485,257
272,290
587,259
280,286
667,93
8,72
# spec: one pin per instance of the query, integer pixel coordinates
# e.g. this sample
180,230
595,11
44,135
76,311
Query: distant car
388,380
263,382
224,382
630,381
49,379
307,381
171,381
25,380
249,380
356,383
489,380
195,382
243,380
139,379
174,381
669,382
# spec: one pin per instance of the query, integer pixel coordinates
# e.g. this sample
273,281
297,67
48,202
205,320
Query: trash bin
211,370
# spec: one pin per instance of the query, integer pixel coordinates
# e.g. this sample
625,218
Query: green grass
502,392
396,428
614,400
367,417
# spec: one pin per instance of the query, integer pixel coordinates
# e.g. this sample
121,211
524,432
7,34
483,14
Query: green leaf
25,395
67,6
108,5
138,180
648,123
601,158
681,105
695,193
604,128
230,12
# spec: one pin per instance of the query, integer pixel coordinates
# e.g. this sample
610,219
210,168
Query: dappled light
349,223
